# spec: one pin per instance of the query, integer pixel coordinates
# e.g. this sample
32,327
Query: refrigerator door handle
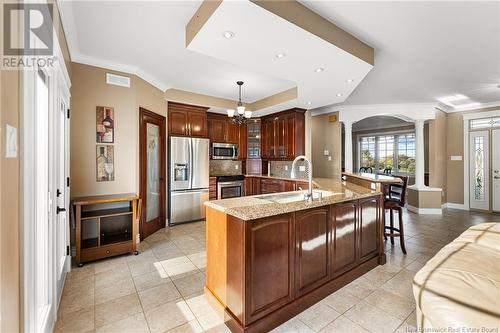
192,162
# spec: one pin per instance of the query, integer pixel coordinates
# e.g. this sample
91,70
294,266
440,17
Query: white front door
63,257
495,164
479,173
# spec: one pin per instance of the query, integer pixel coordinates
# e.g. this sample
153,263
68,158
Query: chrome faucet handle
304,193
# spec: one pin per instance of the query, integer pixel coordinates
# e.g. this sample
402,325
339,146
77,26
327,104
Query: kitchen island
269,257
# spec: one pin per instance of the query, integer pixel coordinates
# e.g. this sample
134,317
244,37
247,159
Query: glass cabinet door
253,137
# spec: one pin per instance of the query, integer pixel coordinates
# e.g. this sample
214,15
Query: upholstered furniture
460,285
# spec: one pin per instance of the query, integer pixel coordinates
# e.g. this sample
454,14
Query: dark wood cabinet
269,185
212,188
242,142
216,129
233,132
197,124
177,123
222,130
267,270
187,120
270,248
368,230
312,255
344,245
283,135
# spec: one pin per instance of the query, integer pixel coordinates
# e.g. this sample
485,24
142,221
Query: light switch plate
456,158
10,141
326,152
329,158
302,168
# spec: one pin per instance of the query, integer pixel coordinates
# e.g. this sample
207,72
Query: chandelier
240,116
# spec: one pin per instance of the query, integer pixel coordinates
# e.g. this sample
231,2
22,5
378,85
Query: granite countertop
255,207
376,178
278,177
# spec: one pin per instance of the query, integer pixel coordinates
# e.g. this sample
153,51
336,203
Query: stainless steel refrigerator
189,179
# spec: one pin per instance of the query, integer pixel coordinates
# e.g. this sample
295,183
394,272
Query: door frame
59,84
466,118
143,116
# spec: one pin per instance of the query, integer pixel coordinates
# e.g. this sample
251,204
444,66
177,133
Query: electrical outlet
329,158
302,168
326,152
286,167
236,166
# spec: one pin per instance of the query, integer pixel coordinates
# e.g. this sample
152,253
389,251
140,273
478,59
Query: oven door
227,190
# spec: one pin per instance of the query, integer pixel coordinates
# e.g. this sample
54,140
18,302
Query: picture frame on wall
105,124
105,163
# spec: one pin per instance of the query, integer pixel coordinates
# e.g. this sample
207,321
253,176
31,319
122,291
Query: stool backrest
366,169
400,190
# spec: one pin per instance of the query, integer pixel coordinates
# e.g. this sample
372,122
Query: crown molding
91,61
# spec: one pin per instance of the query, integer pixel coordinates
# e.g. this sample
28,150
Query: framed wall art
105,163
105,126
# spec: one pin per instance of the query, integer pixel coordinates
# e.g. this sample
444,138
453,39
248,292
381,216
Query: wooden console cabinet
106,226
268,270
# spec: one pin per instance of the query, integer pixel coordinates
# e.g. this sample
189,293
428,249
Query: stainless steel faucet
309,195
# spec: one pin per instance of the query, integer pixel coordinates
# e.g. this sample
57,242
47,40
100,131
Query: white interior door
479,173
62,196
43,300
495,164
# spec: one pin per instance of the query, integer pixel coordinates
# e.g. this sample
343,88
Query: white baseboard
452,205
425,211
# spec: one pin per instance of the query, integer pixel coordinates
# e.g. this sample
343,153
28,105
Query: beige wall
326,136
89,90
437,153
9,211
455,146
424,199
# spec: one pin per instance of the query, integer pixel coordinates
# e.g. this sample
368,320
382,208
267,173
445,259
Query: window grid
395,151
367,150
406,153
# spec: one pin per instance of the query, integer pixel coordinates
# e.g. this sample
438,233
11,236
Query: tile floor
161,289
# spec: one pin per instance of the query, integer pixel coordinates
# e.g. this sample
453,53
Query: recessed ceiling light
309,103
349,80
339,95
228,34
319,69
280,55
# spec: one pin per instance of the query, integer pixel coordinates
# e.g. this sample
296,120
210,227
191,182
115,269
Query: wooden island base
266,271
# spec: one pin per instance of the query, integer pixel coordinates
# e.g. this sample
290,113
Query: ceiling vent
118,80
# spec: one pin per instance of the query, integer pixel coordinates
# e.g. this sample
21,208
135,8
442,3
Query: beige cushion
460,285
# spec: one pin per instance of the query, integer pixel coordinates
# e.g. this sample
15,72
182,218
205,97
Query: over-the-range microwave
224,151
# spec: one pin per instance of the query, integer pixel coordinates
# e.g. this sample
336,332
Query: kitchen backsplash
225,168
284,169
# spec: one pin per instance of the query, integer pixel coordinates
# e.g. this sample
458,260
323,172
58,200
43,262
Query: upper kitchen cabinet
187,120
222,130
253,138
283,135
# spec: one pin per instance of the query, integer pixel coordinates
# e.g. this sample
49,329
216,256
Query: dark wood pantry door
152,150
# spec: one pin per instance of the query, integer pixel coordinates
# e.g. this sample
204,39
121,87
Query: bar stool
366,169
395,200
